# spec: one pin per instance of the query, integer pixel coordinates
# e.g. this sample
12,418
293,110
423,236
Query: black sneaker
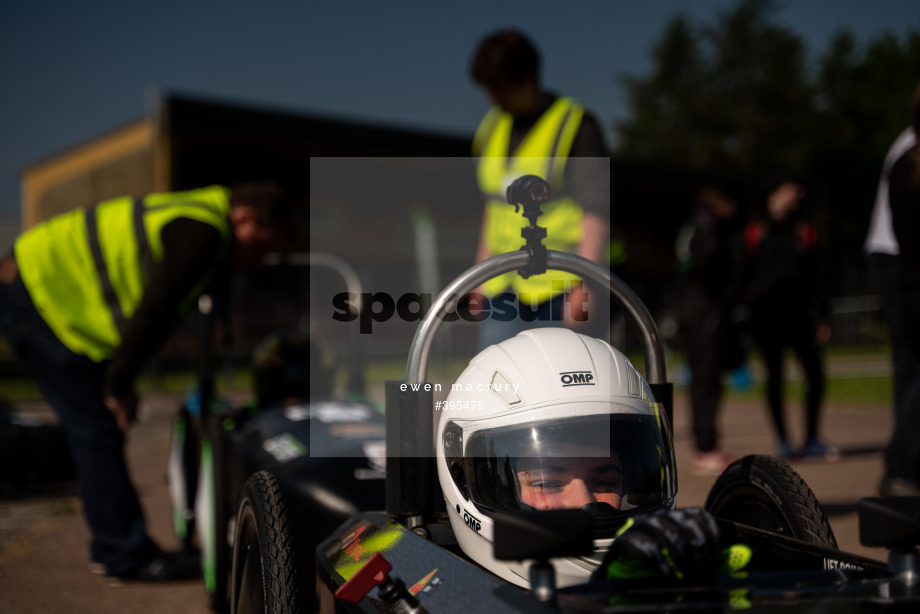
898,487
163,567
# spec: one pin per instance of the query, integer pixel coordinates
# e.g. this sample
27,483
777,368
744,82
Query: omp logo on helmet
471,521
576,378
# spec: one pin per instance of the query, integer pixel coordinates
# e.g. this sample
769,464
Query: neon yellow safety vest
86,269
543,152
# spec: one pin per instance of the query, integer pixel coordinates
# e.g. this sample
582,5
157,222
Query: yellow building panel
122,162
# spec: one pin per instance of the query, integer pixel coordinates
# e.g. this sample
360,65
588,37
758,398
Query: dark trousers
702,330
902,456
72,385
774,329
906,441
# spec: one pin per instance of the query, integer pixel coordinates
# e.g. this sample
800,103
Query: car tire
183,471
213,516
265,575
766,493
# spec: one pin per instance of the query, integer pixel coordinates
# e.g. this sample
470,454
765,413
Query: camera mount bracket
531,192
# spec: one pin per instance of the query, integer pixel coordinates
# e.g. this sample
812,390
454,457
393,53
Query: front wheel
766,493
265,576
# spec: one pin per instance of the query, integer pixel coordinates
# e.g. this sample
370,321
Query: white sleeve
880,238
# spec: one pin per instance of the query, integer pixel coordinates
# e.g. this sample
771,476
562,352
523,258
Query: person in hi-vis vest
530,130
88,296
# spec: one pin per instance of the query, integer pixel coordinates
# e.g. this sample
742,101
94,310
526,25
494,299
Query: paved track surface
43,540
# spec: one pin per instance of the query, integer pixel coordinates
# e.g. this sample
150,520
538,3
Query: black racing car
322,448
405,558
375,564
315,463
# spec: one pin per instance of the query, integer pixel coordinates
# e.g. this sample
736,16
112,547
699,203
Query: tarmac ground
44,540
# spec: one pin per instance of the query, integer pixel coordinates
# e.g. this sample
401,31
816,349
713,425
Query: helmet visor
620,460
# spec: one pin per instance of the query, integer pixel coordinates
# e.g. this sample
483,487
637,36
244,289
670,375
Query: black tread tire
220,512
766,493
264,549
184,445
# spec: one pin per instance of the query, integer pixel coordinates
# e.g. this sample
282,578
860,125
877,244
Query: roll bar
472,278
411,474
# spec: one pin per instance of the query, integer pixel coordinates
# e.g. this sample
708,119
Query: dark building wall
369,219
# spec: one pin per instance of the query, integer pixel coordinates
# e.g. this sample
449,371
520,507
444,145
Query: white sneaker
711,463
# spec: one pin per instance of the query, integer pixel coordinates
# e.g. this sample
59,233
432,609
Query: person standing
902,456
87,297
530,130
788,309
709,259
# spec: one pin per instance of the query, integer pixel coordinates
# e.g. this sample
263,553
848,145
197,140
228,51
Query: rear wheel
213,515
183,476
265,577
766,493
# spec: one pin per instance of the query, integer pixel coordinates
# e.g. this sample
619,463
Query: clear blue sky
71,70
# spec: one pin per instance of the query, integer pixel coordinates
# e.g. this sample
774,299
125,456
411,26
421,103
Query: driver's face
570,483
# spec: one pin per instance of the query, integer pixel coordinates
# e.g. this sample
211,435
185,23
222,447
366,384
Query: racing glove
678,545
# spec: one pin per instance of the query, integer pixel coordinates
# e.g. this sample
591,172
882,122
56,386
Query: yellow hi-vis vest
86,269
542,152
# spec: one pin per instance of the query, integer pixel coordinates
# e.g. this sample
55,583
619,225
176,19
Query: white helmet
551,419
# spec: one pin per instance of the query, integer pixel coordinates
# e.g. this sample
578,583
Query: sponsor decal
284,447
471,521
576,378
330,412
351,545
376,453
297,413
357,430
842,565
426,585
352,552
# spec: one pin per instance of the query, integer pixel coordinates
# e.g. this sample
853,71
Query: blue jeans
547,314
72,385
